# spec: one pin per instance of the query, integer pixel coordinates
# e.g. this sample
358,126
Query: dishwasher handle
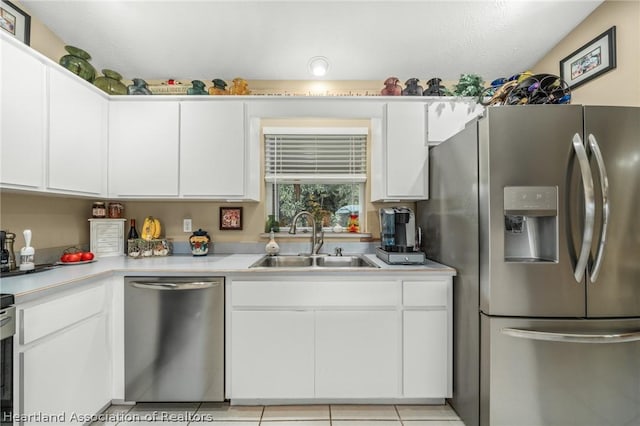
149,285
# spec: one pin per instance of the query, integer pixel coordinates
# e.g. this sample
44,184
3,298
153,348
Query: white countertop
27,286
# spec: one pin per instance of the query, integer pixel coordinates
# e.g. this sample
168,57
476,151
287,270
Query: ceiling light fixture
318,66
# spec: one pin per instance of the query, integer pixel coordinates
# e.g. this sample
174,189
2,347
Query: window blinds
313,158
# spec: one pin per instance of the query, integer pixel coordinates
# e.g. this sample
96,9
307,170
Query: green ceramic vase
77,62
110,83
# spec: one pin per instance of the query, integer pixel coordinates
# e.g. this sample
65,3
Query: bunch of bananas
151,228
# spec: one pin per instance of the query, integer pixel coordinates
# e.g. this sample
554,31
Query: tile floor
222,414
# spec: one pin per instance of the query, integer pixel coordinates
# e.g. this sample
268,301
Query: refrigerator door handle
604,188
589,207
605,337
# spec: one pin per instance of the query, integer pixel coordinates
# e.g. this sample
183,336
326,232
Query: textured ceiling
274,40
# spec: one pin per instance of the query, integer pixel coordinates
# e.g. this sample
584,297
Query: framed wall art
230,218
591,60
15,21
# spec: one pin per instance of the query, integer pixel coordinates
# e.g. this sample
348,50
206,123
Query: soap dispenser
272,248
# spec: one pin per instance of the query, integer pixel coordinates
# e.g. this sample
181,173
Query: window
322,171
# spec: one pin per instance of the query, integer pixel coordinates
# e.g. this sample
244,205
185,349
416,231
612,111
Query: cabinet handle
605,337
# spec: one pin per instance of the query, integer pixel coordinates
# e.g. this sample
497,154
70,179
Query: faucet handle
338,251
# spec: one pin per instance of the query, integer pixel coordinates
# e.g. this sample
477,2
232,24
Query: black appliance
7,330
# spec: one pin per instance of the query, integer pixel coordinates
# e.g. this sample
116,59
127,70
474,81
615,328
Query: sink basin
293,261
344,262
283,262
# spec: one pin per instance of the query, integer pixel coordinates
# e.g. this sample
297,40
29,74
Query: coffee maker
398,241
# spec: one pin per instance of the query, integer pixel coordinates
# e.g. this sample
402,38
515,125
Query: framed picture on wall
15,21
591,60
230,218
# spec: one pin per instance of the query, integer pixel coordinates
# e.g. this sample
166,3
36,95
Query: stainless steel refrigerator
538,208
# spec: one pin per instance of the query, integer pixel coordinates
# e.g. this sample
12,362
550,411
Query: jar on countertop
116,210
99,210
199,242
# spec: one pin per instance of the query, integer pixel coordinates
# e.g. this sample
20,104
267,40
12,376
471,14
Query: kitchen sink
292,261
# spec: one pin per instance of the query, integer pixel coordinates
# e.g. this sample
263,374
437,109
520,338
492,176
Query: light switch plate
186,225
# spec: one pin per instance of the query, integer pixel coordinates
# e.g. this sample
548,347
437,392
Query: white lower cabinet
425,365
357,354
329,339
65,366
67,374
272,354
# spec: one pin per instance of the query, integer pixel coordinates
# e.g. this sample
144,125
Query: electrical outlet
186,225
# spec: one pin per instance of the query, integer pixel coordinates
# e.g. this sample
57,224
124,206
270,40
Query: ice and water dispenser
531,224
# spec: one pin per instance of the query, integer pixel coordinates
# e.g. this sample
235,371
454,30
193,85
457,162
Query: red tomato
74,257
64,257
87,255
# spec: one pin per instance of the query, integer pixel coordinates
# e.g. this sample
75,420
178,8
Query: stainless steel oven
7,330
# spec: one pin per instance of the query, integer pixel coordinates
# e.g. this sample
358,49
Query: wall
42,38
56,222
620,86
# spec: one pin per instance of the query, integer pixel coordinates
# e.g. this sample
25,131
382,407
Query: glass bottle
138,87
198,88
133,233
110,83
272,224
77,61
354,223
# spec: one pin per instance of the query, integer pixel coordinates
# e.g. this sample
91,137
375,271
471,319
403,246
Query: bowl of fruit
75,256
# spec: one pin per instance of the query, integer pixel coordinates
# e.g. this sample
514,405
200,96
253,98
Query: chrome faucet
315,243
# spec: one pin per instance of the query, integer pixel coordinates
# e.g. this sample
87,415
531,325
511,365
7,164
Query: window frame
328,131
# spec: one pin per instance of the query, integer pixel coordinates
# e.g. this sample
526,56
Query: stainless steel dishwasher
174,339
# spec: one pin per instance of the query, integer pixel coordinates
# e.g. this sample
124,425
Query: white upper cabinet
400,158
143,148
22,117
446,117
213,150
77,135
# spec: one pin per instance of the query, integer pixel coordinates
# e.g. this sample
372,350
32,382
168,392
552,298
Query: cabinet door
77,135
272,354
22,117
68,372
212,149
357,354
425,354
406,151
143,148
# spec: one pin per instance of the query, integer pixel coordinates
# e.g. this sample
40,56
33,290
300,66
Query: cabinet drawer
108,241
425,293
108,248
109,231
316,293
48,317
